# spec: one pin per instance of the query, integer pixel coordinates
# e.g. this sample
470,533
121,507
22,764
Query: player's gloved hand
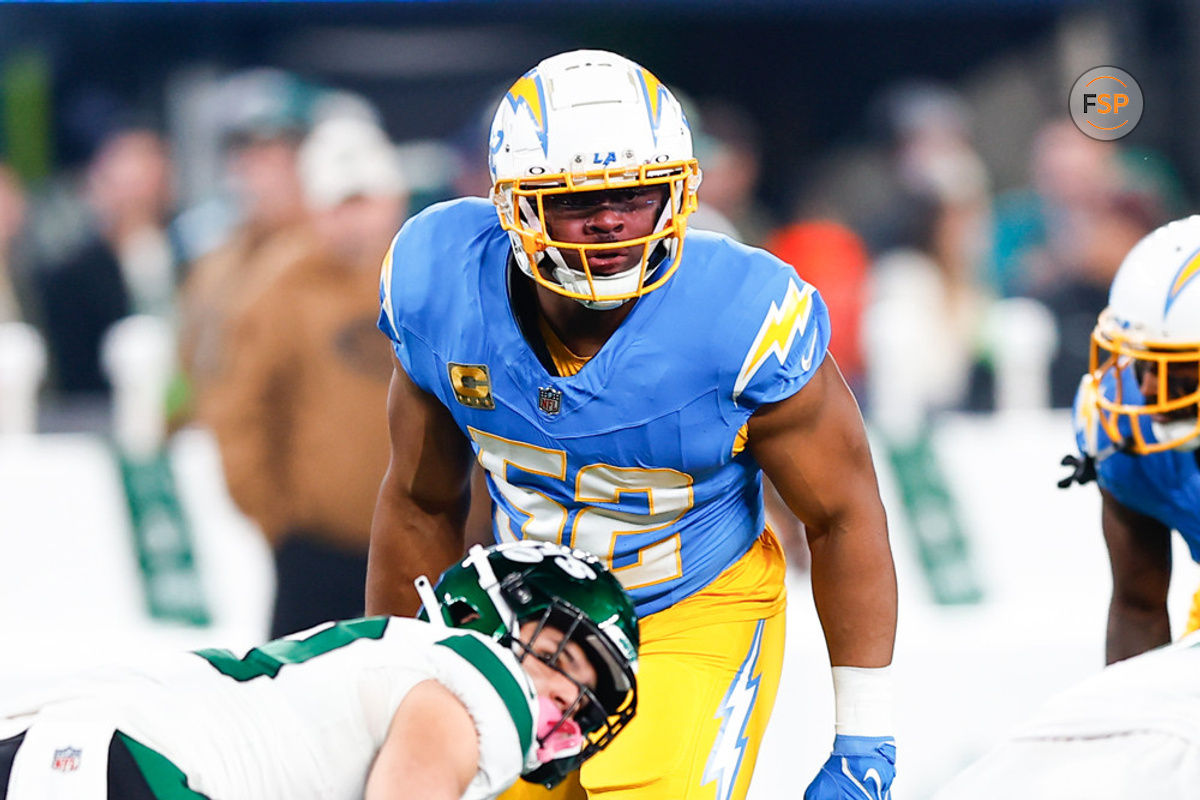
860,767
1083,470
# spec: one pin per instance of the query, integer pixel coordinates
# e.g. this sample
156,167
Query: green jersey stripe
477,654
273,656
166,781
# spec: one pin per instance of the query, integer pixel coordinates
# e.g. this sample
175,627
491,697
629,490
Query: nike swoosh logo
806,359
871,776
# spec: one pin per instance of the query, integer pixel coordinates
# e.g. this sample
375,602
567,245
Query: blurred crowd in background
908,234
255,224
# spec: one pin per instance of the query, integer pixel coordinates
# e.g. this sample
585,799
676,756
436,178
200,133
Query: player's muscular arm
422,505
814,449
1139,550
431,750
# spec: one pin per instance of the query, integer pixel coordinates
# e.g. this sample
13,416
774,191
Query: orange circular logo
1106,103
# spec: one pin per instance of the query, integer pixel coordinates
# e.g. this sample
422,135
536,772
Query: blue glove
860,768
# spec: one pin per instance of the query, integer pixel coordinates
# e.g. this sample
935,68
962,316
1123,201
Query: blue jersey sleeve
402,293
424,282
386,311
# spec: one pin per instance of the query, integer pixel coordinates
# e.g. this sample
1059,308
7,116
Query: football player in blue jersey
625,394
1137,425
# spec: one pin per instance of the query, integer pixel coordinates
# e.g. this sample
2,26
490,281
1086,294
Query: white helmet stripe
477,557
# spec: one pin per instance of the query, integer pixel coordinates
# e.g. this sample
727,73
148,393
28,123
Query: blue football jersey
634,457
1165,486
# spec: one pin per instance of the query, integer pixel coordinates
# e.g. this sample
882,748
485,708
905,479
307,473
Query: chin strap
1178,429
577,281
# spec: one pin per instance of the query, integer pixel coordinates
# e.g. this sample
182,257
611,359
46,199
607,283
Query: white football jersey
1158,690
1132,730
300,717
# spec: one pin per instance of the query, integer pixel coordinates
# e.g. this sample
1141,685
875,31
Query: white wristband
862,699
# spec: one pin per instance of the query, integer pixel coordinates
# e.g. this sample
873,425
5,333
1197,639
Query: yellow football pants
1193,621
706,686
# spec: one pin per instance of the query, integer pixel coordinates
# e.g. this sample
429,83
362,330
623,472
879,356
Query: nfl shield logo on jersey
549,399
66,759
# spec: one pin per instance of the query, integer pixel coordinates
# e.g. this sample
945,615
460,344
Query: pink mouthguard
566,741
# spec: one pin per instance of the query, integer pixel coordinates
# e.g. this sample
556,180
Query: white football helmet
582,121
1152,322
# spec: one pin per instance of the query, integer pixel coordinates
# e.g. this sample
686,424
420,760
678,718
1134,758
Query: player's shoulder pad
772,329
501,698
429,266
1136,481
1090,436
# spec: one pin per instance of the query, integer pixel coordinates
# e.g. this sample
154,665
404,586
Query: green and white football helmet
496,589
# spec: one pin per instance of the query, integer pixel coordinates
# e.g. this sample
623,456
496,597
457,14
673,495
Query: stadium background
1004,581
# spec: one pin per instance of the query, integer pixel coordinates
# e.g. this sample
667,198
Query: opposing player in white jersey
1137,423
1131,731
525,670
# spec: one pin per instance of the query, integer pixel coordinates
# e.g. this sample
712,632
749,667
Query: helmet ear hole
461,613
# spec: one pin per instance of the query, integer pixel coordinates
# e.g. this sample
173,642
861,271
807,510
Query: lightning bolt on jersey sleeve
1090,435
789,325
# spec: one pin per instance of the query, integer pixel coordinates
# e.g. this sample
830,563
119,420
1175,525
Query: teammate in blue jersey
1137,425
625,393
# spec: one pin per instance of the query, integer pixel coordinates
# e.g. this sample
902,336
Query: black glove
1083,470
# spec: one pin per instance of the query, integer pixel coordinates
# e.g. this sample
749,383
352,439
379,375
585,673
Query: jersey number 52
598,527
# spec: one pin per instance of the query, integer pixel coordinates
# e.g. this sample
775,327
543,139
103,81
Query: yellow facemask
521,204
1175,368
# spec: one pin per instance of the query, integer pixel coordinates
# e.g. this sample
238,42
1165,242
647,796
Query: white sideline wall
69,584
70,592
